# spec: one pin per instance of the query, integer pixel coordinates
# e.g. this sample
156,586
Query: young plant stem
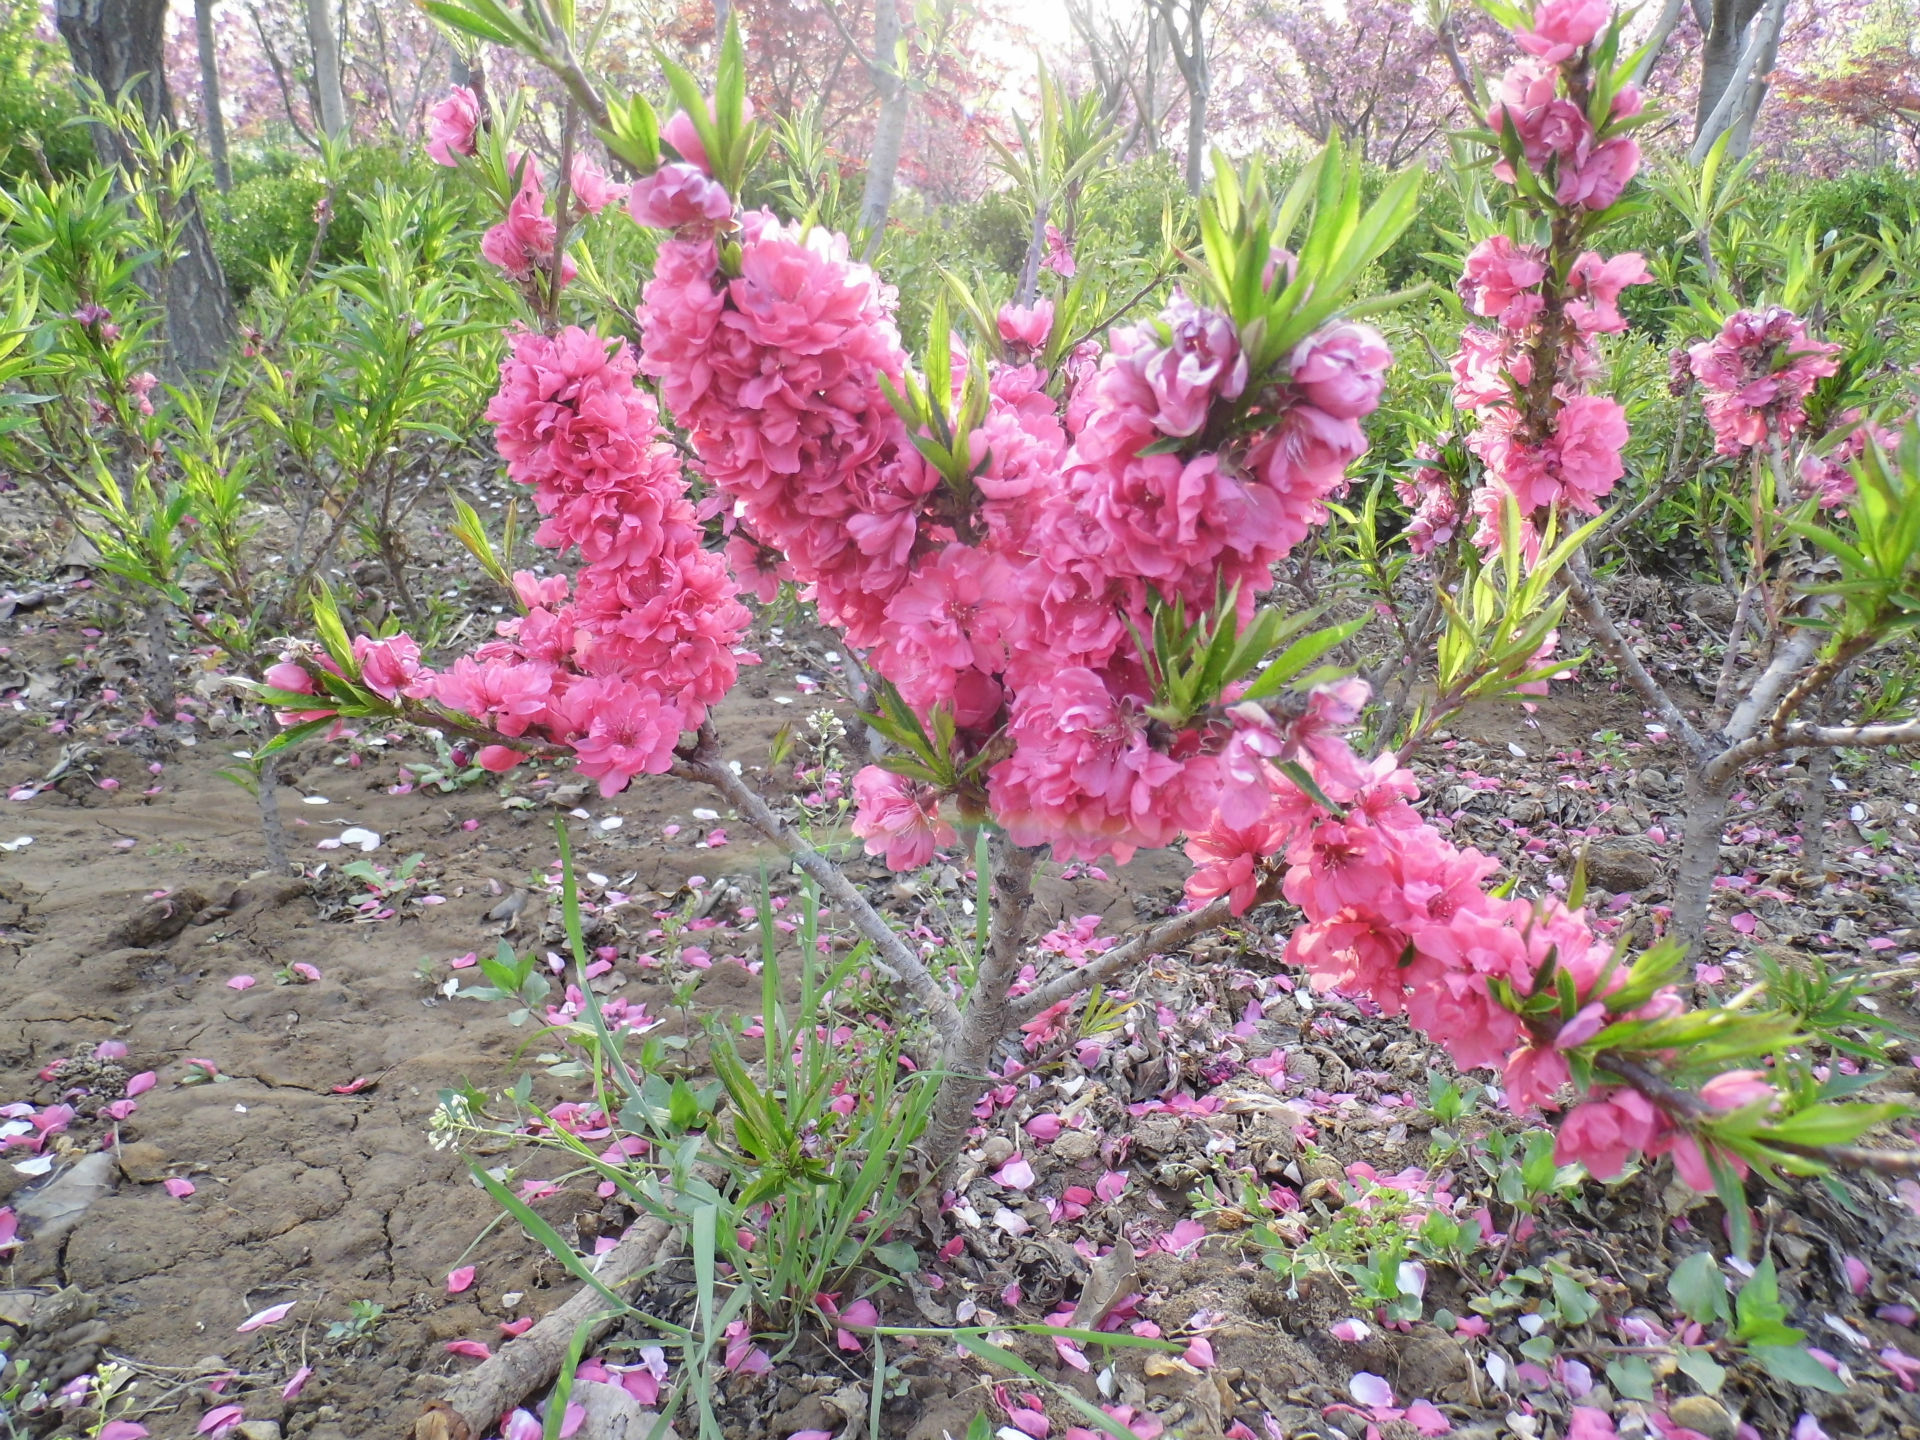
272,830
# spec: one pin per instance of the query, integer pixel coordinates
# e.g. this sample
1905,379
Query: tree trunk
985,1021
890,128
273,831
210,95
1757,80
1720,49
113,42
1706,806
1197,129
326,68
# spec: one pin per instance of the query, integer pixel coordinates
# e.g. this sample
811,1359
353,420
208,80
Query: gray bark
1663,29
1189,52
1736,55
890,127
328,96
210,95
1706,805
1758,81
112,42
986,1021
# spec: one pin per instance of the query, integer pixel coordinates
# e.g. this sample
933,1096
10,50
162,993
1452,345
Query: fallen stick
474,1403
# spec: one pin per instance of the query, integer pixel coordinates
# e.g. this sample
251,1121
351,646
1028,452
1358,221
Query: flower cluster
1755,376
1579,165
1434,503
616,665
1545,443
1397,915
1013,605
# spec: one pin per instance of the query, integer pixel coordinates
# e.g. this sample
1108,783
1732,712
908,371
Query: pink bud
1736,1089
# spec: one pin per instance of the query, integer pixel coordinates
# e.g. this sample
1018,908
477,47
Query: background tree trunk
1758,80
1189,52
111,42
326,68
1737,55
210,95
890,128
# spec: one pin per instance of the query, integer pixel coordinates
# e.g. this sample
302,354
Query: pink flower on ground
898,819
450,126
679,197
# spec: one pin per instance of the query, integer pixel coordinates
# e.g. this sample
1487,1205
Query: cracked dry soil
300,1193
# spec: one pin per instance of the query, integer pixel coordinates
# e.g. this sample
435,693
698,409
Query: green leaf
898,1256
1631,1377
1698,1288
1793,1365
1701,1368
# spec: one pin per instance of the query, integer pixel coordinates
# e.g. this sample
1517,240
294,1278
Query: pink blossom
1603,1133
1027,326
219,1420
1059,256
389,668
1341,369
1737,1089
1502,280
460,1280
1756,374
451,125
1586,1423
522,244
679,197
898,818
1562,27
1199,359
589,185
1597,283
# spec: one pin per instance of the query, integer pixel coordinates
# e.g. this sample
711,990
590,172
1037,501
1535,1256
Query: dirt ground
296,1106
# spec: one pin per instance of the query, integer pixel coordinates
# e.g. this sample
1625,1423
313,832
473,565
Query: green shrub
1855,204
269,214
37,101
